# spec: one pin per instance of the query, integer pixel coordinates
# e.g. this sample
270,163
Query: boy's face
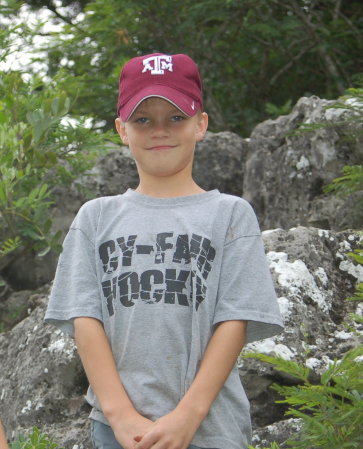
162,139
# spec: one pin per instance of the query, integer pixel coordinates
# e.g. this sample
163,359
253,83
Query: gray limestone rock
286,169
312,277
219,162
279,170
42,380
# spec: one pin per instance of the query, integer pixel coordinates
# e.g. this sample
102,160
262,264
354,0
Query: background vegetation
330,412
256,57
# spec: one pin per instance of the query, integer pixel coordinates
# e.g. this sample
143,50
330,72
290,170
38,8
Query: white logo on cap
158,64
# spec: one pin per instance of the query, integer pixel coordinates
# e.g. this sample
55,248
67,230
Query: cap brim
184,103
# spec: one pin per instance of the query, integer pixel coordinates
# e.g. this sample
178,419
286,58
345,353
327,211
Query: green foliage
36,440
39,151
250,53
352,179
349,118
350,182
331,411
349,122
352,101
273,445
357,256
8,246
275,111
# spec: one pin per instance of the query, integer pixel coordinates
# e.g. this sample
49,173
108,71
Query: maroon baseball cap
174,78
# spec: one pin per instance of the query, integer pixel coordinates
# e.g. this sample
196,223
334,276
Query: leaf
33,195
27,141
10,245
55,106
21,202
40,128
47,225
45,251
56,237
43,192
31,233
290,367
3,198
3,117
34,116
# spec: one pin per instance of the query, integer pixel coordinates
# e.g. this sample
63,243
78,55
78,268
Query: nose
160,129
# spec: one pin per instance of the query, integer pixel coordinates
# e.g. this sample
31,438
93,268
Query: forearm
101,370
3,442
220,357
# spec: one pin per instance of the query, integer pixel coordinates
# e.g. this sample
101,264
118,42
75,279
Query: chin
164,172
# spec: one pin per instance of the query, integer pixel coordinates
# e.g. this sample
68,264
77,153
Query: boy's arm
177,428
3,442
102,374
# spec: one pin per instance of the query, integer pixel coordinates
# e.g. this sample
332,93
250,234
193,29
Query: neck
168,187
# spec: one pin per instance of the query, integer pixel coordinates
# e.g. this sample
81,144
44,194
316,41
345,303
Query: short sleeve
75,290
246,290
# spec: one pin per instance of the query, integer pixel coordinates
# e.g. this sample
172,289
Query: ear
202,126
121,129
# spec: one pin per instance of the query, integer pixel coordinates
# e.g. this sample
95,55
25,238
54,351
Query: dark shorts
103,437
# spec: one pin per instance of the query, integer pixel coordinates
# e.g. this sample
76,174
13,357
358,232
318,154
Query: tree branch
357,33
63,18
311,29
337,8
290,64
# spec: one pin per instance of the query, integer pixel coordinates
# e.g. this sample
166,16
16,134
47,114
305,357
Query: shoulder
97,205
242,218
236,202
88,215
238,206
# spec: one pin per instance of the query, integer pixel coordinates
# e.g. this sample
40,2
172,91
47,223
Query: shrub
36,440
40,151
331,411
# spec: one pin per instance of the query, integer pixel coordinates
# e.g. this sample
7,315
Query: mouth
161,147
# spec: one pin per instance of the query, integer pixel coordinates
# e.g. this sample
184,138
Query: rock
279,170
220,161
286,170
14,309
279,432
312,277
29,271
43,383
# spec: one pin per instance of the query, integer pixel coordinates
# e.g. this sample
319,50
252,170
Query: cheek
130,138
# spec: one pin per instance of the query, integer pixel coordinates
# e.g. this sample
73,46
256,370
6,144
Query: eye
141,120
178,118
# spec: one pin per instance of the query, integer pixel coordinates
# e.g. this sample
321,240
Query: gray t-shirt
159,273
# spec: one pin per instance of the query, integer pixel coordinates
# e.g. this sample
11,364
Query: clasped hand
172,431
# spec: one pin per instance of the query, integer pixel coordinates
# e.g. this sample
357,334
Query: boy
157,285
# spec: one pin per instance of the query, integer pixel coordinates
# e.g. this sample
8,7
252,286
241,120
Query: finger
146,441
